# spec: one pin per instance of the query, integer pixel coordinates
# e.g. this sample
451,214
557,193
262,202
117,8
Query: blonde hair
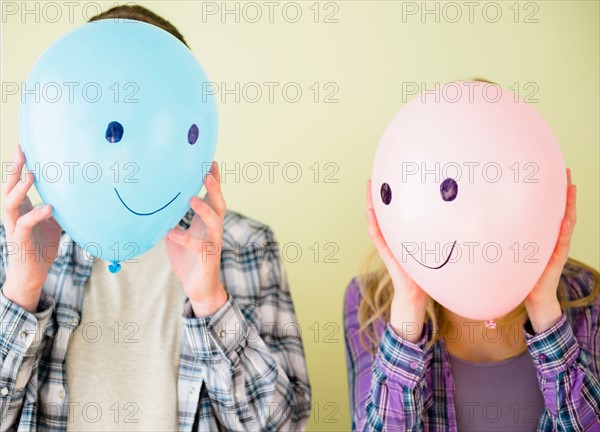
377,293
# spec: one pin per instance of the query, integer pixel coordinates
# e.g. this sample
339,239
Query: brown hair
139,13
377,292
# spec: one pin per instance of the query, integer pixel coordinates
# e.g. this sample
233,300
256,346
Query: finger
14,176
211,219
560,253
214,196
193,243
13,200
384,251
214,170
25,223
373,225
17,194
169,238
183,238
571,208
375,232
53,221
568,223
369,195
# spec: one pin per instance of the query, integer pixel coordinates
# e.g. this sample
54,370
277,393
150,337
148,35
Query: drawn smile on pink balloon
448,191
145,214
429,267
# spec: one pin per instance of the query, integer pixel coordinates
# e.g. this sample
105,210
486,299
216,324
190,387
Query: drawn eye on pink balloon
449,189
386,194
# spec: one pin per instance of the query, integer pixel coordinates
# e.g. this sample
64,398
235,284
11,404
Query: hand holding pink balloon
410,301
542,303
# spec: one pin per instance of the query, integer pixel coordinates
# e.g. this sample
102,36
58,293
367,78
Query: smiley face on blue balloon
119,131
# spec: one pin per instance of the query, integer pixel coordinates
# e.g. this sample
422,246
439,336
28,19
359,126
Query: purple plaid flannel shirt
407,387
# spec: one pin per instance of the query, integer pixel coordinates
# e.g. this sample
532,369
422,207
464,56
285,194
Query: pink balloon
469,189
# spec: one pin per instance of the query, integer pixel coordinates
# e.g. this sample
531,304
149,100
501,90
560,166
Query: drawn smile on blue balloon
145,214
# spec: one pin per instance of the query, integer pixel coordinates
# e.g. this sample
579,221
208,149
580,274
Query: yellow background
368,54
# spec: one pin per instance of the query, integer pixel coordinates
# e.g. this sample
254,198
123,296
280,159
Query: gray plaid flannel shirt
243,368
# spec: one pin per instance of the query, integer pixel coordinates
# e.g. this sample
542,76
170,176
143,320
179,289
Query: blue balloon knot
114,267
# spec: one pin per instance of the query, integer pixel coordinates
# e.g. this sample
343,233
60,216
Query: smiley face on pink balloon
469,190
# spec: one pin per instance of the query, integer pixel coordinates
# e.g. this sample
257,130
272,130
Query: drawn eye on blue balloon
193,134
114,132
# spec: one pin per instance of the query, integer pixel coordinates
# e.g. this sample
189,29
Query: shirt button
414,365
61,394
23,334
239,394
4,391
222,334
542,358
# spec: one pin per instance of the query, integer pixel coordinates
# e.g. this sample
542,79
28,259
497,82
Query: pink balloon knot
490,324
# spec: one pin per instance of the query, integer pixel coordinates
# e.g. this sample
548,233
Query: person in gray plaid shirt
217,344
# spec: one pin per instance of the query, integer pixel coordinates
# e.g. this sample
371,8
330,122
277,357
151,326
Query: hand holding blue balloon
32,237
195,253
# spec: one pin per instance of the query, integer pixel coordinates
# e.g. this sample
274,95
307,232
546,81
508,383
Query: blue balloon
119,130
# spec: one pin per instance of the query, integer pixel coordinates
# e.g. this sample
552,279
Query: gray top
501,396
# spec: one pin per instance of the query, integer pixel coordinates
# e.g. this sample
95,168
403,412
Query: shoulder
581,288
352,297
3,252
248,244
580,281
251,266
240,229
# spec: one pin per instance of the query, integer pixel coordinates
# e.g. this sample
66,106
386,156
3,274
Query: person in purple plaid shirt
407,374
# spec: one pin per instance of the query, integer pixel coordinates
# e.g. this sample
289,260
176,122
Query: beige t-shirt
122,361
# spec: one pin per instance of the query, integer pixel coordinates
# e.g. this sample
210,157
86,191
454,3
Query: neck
470,340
